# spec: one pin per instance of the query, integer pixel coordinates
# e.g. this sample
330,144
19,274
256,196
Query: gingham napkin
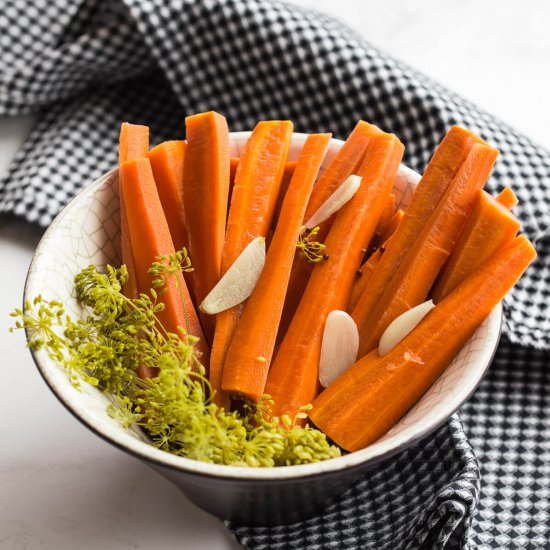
86,65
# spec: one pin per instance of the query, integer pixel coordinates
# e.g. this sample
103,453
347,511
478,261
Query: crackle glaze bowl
87,231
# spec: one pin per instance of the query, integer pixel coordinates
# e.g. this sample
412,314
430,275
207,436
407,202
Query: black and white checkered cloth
86,65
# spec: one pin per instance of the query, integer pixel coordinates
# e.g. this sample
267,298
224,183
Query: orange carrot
150,237
489,227
368,267
133,143
364,274
255,191
369,398
131,288
416,274
293,378
167,163
389,229
343,165
366,270
385,221
507,198
299,277
249,355
144,372
287,176
167,160
444,165
290,166
233,163
205,194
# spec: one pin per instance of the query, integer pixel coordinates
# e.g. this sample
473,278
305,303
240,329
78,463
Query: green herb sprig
312,250
117,335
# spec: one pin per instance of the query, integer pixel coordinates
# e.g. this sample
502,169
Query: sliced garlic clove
339,347
341,196
238,281
402,325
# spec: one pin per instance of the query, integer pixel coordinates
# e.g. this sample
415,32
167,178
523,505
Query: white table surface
61,486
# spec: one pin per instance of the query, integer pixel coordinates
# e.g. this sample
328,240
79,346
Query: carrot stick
344,164
368,268
249,355
489,227
150,237
293,379
130,289
255,191
416,274
290,166
299,277
233,163
385,221
133,143
167,163
369,398
389,229
364,274
205,194
447,159
445,163
507,198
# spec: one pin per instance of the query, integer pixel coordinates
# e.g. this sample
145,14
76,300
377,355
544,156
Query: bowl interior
87,232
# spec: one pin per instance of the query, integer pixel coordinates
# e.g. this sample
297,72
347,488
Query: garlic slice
339,347
238,282
402,325
341,196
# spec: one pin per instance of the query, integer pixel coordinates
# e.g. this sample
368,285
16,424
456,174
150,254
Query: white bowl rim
144,451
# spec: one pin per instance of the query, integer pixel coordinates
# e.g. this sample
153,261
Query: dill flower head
175,409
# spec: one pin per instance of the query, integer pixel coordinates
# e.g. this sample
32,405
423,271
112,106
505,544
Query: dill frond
312,250
175,409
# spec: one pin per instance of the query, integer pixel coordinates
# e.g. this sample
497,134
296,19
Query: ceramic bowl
87,231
